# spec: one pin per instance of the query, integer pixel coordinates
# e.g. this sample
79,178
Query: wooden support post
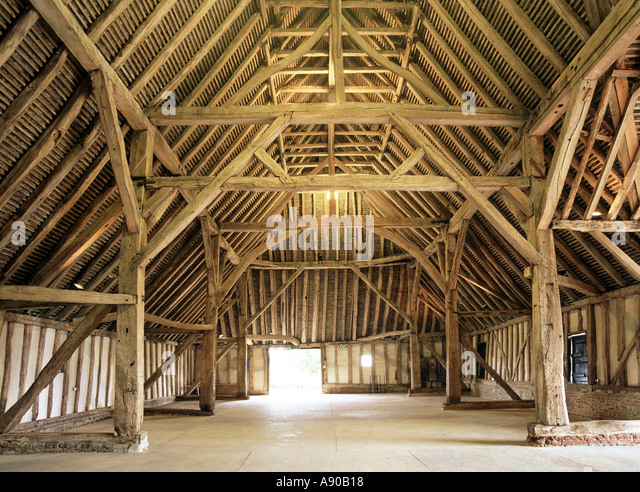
454,364
129,371
210,339
415,348
592,344
453,260
547,337
243,348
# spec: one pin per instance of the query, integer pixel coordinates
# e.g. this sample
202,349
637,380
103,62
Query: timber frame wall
613,349
343,371
83,391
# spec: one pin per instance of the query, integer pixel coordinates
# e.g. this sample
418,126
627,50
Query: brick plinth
594,440
51,443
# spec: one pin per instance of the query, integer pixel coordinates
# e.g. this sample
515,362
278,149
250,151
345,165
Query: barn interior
431,205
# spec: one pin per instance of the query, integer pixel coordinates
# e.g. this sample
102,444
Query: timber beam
333,265
60,296
346,4
13,416
203,200
387,223
338,114
104,93
597,225
608,44
493,215
503,384
311,184
494,313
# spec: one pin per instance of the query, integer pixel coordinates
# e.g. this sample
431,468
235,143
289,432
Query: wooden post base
177,412
593,433
426,392
53,443
489,405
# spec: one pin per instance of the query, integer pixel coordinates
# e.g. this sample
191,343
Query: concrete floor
337,433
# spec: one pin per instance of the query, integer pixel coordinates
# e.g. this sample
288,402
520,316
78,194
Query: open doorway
295,372
578,361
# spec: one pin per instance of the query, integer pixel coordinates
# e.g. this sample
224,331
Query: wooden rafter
628,263
271,70
504,48
613,153
610,42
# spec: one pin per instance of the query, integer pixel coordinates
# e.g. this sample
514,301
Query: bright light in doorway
366,361
329,195
295,371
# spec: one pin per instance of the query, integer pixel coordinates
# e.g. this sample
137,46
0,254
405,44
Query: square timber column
547,336
454,355
243,348
415,349
454,247
209,351
129,371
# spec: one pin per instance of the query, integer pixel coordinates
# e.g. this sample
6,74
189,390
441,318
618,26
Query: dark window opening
482,351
